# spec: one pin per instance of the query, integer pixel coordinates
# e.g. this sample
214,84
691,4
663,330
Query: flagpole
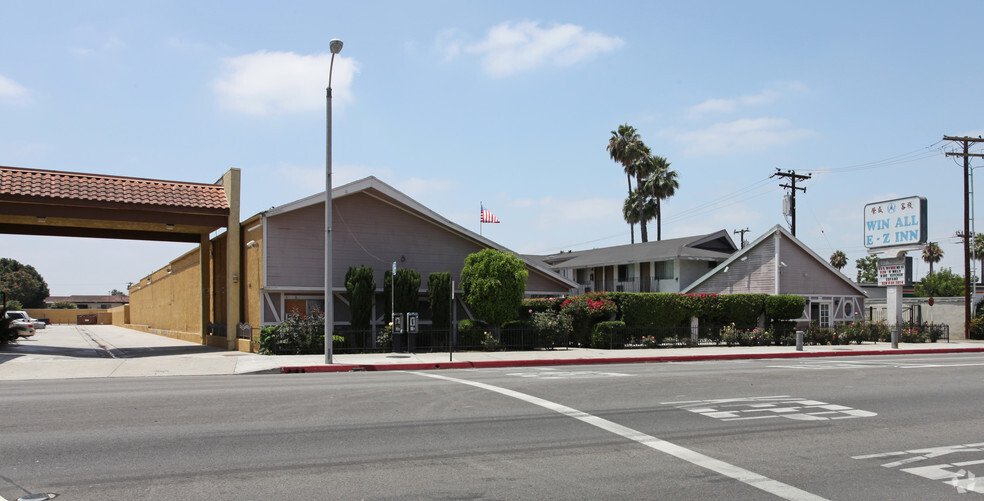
481,211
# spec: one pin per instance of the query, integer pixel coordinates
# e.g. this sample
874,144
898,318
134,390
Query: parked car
21,322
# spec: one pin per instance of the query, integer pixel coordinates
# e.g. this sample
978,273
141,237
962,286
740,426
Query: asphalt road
900,427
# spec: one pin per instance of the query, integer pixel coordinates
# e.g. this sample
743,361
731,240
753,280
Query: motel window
664,270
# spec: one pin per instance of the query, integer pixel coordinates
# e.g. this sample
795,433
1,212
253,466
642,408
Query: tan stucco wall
165,301
70,316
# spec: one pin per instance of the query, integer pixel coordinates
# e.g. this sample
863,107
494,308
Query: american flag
488,217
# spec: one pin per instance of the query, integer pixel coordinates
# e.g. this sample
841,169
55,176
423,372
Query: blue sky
506,103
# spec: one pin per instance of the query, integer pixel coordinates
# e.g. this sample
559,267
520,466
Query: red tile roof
67,186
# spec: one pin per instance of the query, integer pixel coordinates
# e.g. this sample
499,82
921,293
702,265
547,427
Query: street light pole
336,46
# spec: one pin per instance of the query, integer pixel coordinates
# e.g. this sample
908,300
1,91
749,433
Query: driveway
81,351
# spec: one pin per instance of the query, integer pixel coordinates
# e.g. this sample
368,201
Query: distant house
778,263
89,302
662,266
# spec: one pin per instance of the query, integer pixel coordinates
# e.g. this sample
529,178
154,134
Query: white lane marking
775,487
748,408
953,474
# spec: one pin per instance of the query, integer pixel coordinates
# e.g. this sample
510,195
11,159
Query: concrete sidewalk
71,351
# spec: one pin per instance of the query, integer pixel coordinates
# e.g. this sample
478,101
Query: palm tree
631,208
838,260
932,254
661,184
625,147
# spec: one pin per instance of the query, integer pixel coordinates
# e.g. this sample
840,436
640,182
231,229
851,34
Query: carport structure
71,204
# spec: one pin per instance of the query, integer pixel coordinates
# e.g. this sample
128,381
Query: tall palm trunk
659,221
643,228
628,179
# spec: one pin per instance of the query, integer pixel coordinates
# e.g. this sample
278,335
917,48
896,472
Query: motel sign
895,223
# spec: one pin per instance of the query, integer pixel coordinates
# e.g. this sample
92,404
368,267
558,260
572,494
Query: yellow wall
166,301
169,304
70,316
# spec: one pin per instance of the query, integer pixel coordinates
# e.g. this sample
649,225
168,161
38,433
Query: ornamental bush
585,311
608,335
553,327
493,283
743,310
360,286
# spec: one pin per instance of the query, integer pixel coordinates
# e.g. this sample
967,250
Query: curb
424,366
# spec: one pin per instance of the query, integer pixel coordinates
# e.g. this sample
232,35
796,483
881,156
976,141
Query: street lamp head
335,45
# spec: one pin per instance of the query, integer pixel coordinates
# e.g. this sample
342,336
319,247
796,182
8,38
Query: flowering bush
586,310
584,307
553,327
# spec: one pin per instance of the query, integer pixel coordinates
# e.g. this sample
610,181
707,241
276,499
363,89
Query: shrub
493,283
471,332
585,311
650,309
439,294
360,287
743,310
529,306
554,328
784,307
297,335
605,334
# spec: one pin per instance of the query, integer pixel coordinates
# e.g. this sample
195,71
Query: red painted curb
489,364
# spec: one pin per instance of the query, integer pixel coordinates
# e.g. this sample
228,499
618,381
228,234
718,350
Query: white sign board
895,223
891,274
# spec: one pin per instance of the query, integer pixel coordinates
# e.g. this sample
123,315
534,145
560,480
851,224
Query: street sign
412,322
895,223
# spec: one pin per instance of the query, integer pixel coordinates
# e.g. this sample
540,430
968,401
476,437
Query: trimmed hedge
784,307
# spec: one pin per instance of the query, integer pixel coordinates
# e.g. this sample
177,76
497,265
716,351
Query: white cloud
744,135
11,91
511,48
771,94
267,83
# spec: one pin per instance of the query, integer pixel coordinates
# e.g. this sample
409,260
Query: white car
21,322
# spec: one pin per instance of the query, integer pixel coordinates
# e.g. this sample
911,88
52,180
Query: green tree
932,254
660,185
943,283
493,283
838,260
626,148
867,269
117,292
360,286
22,283
439,295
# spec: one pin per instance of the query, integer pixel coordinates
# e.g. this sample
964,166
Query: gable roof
742,253
385,193
709,247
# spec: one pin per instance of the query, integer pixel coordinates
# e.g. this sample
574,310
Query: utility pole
793,177
966,231
742,232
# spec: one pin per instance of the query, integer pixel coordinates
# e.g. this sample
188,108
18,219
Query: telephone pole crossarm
793,177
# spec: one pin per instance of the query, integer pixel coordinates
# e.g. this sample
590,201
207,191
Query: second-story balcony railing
633,285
